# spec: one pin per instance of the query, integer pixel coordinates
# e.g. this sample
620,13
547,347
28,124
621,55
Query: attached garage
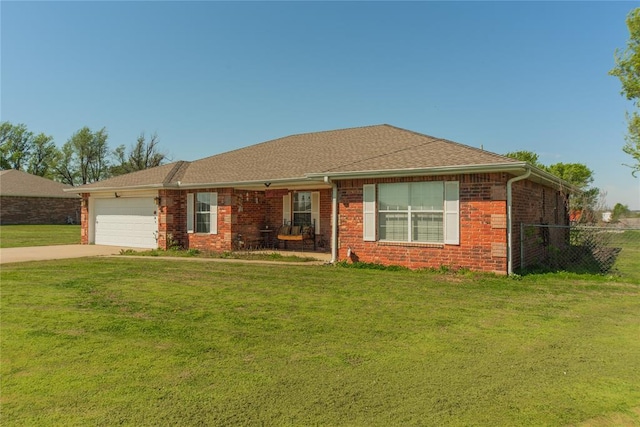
126,221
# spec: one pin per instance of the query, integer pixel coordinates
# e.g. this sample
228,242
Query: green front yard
156,342
14,236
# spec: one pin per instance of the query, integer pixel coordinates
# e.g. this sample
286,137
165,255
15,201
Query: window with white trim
202,213
302,208
421,212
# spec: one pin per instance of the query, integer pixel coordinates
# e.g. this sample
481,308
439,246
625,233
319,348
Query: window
203,213
302,208
411,212
203,208
424,212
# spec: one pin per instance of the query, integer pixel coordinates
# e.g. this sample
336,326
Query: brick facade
534,203
38,210
483,242
241,216
275,217
482,227
172,218
172,221
84,219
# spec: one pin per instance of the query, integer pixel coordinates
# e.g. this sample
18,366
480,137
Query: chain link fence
581,249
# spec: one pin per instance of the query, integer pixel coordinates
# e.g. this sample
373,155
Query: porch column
334,222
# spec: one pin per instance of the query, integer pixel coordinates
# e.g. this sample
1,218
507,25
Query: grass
148,342
240,255
615,252
15,236
628,262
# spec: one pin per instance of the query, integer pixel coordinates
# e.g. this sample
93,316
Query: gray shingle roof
355,150
18,183
372,148
152,177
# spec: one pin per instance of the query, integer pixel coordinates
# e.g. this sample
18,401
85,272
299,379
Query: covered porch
249,217
293,218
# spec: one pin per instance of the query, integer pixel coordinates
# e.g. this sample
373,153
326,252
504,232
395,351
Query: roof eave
517,168
41,196
255,184
262,183
441,170
557,182
83,189
320,178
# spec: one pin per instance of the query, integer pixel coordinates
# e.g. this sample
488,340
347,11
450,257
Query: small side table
266,237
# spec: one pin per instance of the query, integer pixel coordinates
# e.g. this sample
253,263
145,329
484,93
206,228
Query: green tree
142,155
15,145
526,156
20,149
577,174
619,211
627,69
43,156
580,176
64,166
84,158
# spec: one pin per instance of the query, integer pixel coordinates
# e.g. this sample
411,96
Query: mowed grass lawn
180,342
14,236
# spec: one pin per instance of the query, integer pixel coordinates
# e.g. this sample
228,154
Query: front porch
257,218
246,219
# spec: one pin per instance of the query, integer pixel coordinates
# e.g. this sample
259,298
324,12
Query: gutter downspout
510,219
334,219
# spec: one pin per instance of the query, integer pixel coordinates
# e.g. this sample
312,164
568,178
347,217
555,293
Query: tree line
83,159
576,174
627,69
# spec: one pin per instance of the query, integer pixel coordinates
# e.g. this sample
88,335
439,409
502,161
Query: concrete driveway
40,253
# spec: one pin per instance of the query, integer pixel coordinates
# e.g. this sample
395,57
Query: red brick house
30,199
374,194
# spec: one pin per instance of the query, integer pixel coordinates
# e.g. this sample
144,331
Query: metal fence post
521,246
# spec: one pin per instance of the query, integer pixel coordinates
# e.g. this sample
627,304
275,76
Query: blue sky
209,77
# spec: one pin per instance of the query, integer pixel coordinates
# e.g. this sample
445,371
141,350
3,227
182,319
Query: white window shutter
315,210
452,213
286,208
213,212
190,207
369,212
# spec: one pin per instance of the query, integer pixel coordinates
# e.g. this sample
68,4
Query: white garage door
126,222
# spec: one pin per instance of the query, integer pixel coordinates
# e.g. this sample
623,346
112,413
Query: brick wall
172,219
38,210
534,203
482,227
483,222
84,219
177,212
273,200
249,216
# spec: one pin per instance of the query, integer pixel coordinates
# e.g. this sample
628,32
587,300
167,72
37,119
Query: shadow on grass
576,259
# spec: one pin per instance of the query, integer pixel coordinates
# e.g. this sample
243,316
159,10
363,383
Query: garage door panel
126,222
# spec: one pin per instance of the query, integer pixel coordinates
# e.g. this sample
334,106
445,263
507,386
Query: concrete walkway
41,253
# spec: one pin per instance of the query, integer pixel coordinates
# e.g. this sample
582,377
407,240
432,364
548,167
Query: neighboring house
30,199
375,194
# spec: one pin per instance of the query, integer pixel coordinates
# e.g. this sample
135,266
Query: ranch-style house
377,194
